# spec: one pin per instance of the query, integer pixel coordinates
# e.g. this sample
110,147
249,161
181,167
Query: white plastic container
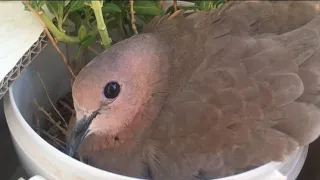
40,158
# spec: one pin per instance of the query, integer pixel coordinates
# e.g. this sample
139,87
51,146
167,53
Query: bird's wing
256,17
253,99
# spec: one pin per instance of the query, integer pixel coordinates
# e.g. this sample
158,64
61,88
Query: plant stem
93,50
60,19
175,5
133,19
52,104
45,27
161,4
58,35
101,26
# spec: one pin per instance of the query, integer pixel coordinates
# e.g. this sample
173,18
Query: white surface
37,178
19,29
40,158
34,178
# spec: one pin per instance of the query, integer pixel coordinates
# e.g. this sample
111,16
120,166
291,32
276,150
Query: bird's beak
79,132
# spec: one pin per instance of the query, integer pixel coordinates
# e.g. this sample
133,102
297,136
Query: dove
202,96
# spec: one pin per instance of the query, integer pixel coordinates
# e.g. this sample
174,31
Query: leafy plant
87,22
208,5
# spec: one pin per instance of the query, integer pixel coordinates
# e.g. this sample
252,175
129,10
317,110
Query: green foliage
75,5
77,19
35,5
208,5
146,8
85,42
199,5
111,8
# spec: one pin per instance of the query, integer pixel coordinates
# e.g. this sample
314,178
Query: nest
53,128
56,129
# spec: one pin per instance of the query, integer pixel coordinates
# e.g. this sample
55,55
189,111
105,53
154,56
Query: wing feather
253,97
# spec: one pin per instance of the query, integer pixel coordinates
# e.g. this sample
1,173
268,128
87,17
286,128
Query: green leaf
206,5
36,5
113,24
40,4
52,7
78,52
86,41
88,3
76,19
110,8
76,5
82,32
55,6
146,8
219,3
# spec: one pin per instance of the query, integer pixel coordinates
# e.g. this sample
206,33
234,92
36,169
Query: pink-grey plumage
208,95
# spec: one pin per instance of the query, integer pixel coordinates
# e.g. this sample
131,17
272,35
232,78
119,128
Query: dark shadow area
8,158
311,168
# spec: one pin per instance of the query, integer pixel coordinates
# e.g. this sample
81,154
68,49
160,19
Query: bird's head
119,92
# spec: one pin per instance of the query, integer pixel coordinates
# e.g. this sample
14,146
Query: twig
72,81
67,106
50,118
52,128
174,14
50,136
175,5
133,19
52,104
67,52
161,4
50,37
93,50
37,122
84,59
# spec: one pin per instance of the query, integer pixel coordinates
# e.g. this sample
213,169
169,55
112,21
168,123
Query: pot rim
271,166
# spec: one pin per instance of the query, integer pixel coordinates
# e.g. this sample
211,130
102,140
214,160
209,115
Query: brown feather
241,90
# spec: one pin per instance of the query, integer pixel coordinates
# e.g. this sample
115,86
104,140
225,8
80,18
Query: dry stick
51,128
93,50
175,5
71,81
161,4
133,19
67,106
50,118
37,122
52,104
174,14
51,137
50,37
67,52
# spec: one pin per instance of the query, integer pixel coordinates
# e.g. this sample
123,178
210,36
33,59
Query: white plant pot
40,158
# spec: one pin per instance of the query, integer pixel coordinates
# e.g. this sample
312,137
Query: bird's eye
111,90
